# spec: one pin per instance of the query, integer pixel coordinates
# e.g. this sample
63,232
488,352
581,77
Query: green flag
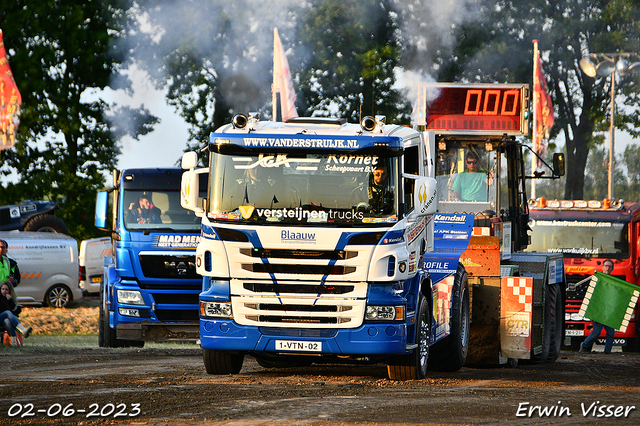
610,301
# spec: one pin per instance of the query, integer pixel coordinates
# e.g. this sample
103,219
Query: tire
58,296
222,362
450,354
101,314
106,335
548,323
557,322
46,223
414,365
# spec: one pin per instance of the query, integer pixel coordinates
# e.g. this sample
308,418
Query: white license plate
574,332
296,345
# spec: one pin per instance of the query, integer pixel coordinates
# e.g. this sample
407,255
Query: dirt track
168,385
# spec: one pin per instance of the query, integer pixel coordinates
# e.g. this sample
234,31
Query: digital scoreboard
477,108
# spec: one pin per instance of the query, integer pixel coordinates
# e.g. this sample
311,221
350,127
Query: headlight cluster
384,313
128,297
216,309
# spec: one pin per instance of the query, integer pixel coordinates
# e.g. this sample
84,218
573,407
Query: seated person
8,317
471,184
380,197
143,211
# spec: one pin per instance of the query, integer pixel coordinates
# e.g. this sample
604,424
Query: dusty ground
166,384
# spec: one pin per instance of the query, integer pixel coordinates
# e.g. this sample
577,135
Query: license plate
96,279
296,345
574,332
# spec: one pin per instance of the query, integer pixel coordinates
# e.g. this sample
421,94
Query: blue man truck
150,286
327,241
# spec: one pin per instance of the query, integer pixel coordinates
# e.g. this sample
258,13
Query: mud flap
516,317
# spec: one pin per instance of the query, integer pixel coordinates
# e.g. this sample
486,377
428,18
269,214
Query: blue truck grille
169,266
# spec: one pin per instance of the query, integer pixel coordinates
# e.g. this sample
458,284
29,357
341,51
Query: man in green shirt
470,185
8,267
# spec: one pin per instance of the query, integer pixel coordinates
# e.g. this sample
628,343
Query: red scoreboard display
478,108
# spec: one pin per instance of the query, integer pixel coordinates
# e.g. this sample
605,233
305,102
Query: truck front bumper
368,339
153,331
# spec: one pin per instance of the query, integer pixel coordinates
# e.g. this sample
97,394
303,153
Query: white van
91,261
48,265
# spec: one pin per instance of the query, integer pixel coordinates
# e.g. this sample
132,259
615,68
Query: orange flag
10,101
544,107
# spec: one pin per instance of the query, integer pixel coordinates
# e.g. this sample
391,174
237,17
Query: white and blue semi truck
305,257
150,286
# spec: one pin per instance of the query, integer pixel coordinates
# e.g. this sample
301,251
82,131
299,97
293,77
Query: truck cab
150,287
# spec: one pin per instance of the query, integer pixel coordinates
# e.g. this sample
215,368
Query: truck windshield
342,189
574,238
149,210
466,179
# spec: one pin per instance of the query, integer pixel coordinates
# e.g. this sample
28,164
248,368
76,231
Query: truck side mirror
102,206
425,196
189,160
190,189
558,164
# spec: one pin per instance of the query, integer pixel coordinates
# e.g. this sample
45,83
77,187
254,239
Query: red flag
544,107
283,92
10,101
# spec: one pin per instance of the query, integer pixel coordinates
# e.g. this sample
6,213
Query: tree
631,162
352,54
59,52
498,48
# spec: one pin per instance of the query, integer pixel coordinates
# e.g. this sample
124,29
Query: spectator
7,318
587,345
9,270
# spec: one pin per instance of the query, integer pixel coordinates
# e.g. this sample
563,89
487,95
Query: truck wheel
557,322
450,354
414,365
58,296
106,335
101,333
547,324
46,223
222,362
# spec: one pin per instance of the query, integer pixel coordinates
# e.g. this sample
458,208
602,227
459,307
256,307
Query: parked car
36,216
91,263
48,265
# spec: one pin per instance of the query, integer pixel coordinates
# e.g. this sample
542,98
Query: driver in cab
380,197
471,184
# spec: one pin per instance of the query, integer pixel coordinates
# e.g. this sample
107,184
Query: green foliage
352,52
59,53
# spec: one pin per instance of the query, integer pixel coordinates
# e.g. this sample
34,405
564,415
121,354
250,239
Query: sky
164,146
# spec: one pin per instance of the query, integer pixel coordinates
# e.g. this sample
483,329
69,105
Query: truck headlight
216,309
384,313
128,297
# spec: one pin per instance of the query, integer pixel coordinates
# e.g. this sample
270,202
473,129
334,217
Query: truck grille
173,266
296,304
